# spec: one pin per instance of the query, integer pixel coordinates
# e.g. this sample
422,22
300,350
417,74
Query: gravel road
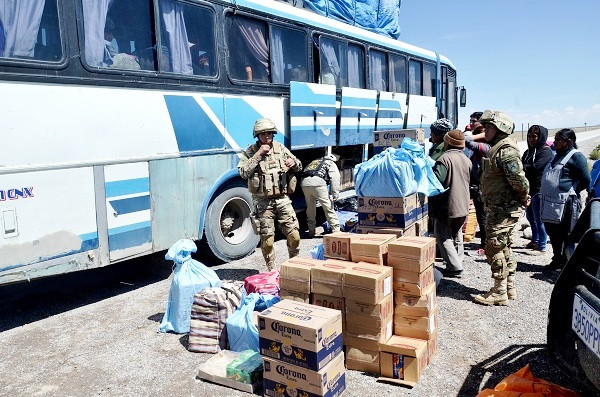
94,333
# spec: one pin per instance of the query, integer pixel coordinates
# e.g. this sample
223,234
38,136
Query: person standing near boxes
438,129
505,190
265,165
450,209
317,174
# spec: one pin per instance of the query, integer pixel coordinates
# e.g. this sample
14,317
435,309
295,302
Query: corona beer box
337,245
283,379
294,295
294,274
412,253
301,334
366,282
416,305
327,277
402,360
393,138
400,212
371,248
362,360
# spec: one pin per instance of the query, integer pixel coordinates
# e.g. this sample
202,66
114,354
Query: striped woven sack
210,310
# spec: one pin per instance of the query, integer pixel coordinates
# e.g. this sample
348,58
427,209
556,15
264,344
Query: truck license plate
586,324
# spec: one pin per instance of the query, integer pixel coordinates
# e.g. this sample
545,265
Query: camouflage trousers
499,226
269,210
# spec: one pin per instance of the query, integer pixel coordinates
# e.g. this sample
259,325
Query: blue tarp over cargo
380,16
397,173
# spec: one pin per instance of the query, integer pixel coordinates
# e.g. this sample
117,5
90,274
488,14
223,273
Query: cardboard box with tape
371,248
327,277
395,212
416,305
362,360
337,245
403,360
366,282
294,274
412,253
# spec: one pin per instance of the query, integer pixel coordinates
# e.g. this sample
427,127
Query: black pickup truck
574,312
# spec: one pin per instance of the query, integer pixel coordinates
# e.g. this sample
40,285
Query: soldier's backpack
210,310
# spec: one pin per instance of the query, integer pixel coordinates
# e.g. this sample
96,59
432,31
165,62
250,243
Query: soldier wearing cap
265,165
505,190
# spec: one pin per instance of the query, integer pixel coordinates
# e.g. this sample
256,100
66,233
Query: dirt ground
94,333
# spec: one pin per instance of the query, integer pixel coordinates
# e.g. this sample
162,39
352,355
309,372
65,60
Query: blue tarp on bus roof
380,16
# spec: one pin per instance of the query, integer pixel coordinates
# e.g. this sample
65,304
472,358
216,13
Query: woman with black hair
562,181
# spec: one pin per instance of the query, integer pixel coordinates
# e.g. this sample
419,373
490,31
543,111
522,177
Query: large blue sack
241,331
190,276
397,173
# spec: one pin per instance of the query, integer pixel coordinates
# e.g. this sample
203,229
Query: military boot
496,295
511,291
271,265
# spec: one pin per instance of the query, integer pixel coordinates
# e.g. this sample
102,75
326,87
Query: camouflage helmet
502,121
264,124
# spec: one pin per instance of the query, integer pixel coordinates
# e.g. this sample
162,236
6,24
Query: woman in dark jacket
535,159
562,181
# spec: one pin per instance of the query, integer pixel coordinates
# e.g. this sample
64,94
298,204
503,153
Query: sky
538,61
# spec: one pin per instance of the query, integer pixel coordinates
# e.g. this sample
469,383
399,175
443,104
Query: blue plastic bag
190,276
241,331
317,252
398,172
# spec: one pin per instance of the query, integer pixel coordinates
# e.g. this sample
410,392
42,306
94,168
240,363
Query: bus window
288,55
414,77
117,32
378,71
29,30
248,49
429,79
356,69
398,66
188,38
341,64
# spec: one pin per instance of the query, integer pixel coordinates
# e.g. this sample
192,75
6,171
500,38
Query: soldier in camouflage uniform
505,191
265,165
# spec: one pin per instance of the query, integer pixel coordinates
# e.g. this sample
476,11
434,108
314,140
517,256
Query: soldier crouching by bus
265,165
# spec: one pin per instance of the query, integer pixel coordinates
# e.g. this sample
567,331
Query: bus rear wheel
228,230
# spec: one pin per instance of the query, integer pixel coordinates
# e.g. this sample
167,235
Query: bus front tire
228,229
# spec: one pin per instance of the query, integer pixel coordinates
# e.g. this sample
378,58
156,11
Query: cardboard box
397,231
416,305
332,302
367,335
432,347
362,360
423,278
369,313
309,337
373,219
394,138
327,278
416,327
410,288
403,360
412,253
371,248
422,226
294,274
337,245
366,282
282,379
294,295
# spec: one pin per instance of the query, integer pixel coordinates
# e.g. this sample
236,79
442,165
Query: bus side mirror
463,97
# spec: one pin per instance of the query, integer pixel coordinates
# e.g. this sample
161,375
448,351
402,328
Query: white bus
122,121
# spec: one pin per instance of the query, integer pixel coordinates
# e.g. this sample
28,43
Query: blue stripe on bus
129,235
389,114
309,111
353,113
387,103
304,95
127,186
239,120
193,129
132,204
366,103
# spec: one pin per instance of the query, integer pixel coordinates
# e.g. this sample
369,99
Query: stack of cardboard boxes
301,345
295,278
